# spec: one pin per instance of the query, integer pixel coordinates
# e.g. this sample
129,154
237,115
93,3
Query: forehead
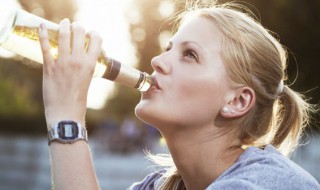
201,30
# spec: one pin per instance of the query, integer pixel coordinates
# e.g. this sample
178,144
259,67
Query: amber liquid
25,41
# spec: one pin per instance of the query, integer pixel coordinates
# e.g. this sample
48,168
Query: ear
239,103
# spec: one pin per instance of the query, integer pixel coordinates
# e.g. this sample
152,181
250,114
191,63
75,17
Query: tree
147,23
21,108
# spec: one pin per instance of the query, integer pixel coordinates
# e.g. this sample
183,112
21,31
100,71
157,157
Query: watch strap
67,132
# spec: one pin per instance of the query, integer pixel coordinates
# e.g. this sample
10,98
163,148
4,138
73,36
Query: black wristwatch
67,132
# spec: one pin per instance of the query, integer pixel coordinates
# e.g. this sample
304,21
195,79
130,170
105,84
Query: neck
202,155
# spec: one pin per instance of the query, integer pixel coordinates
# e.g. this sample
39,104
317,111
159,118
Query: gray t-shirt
256,169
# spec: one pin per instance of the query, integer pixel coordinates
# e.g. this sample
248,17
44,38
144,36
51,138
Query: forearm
72,166
66,81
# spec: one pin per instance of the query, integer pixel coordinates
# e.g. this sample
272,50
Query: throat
200,162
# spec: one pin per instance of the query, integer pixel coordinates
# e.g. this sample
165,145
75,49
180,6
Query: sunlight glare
5,6
108,18
164,38
166,8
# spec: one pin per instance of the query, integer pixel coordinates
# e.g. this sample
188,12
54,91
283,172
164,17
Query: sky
107,17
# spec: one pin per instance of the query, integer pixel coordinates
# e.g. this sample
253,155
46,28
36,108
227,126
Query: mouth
155,83
154,86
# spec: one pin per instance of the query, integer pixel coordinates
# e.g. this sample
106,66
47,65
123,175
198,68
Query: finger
95,43
78,40
64,38
45,45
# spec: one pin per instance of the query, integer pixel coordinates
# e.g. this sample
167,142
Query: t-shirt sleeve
148,183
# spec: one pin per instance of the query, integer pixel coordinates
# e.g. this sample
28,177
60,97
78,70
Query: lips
155,83
154,87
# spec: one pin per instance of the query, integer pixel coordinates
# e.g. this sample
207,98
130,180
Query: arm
66,82
72,167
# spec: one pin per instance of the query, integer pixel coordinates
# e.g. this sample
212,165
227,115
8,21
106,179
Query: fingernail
42,27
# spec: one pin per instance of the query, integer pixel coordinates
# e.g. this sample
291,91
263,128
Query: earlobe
225,109
243,100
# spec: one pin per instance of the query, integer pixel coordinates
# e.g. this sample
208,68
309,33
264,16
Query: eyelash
189,52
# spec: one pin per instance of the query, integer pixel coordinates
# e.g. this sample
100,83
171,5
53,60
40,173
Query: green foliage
17,86
16,99
122,104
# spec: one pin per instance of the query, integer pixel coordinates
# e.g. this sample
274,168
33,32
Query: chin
142,112
147,113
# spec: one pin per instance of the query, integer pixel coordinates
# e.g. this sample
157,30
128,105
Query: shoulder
148,183
265,169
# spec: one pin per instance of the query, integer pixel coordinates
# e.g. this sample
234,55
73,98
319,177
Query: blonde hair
254,58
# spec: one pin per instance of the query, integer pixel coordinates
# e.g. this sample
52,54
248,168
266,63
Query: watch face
68,130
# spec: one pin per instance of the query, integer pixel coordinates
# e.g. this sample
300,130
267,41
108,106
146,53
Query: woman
220,102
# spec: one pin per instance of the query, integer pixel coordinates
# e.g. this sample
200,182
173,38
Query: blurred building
25,164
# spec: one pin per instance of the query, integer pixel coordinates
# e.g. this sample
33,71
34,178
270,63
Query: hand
66,79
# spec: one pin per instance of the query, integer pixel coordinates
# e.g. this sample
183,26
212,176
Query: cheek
197,102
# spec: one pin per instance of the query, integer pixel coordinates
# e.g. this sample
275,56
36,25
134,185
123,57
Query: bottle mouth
146,83
7,20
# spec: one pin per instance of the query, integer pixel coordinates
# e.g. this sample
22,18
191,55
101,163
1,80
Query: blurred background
133,31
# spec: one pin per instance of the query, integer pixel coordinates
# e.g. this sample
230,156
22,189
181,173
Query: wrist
53,117
52,123
67,132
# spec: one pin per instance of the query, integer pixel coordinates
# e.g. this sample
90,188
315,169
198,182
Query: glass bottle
19,34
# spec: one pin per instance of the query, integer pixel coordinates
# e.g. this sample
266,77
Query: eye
190,54
168,47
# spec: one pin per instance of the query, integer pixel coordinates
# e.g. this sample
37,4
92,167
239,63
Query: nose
160,65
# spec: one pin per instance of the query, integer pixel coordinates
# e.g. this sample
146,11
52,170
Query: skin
186,105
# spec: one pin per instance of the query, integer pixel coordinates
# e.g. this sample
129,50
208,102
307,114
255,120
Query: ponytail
290,117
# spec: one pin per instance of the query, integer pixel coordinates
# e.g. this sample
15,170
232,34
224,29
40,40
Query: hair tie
280,87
